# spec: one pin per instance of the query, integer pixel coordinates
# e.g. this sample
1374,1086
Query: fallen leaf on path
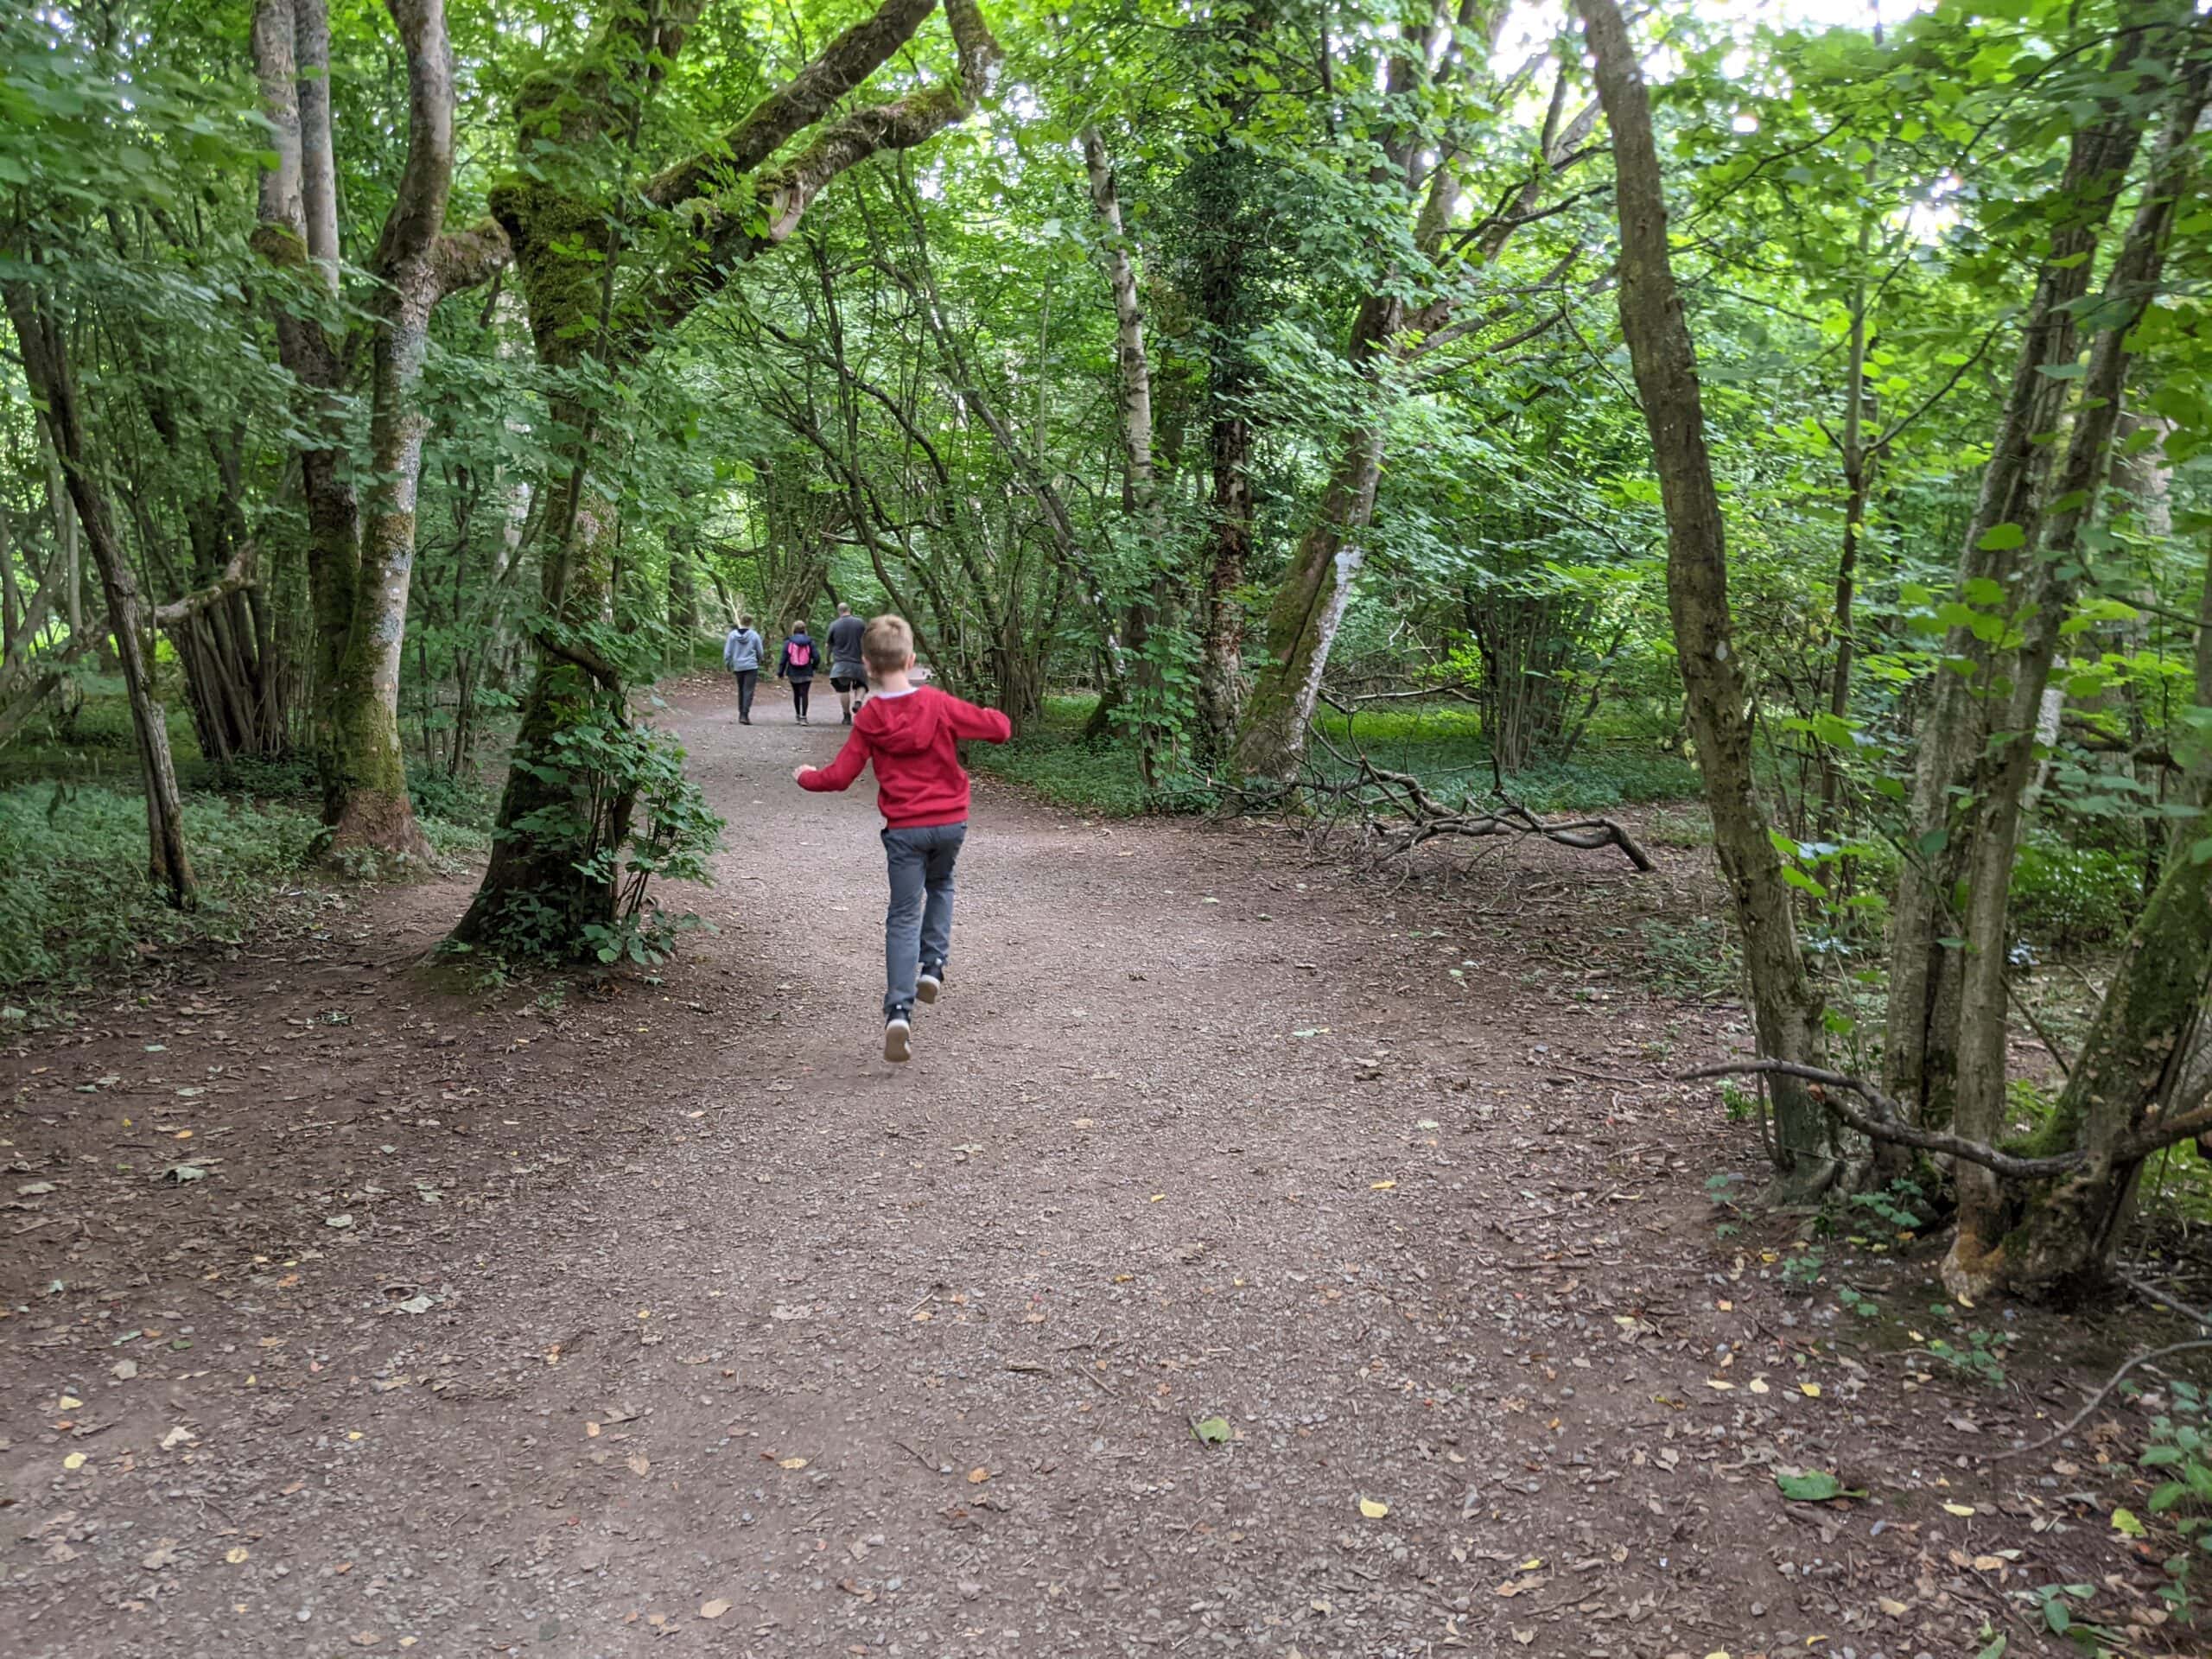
163,1554
68,1402
714,1609
640,1463
1719,1383
1894,1608
791,1463
1381,1186
338,1221
74,1462
176,1437
1373,1507
1815,1486
1961,1510
1212,1430
2123,1522
237,1556
1810,1390
978,1475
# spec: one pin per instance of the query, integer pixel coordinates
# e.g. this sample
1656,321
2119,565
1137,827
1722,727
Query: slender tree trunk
1786,1009
1921,1037
1151,612
1855,464
45,368
2003,774
1228,553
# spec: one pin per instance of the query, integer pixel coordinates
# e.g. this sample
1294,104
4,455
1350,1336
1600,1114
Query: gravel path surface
1251,1261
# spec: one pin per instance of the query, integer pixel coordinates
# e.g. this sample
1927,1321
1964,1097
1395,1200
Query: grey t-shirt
845,635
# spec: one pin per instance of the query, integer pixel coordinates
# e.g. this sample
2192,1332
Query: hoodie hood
905,724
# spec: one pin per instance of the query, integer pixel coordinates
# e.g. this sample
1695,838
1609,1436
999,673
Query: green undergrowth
1053,757
1441,746
77,902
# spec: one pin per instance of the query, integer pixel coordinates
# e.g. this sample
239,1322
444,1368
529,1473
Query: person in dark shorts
800,660
847,673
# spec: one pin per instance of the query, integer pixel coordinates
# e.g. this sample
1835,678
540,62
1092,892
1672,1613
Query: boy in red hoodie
909,731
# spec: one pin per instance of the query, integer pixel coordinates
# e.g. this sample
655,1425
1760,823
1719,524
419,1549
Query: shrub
2064,896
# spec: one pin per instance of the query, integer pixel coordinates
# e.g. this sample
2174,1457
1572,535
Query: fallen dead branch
1397,809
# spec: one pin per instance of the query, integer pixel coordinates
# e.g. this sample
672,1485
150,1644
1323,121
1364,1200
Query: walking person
797,663
910,732
742,656
847,673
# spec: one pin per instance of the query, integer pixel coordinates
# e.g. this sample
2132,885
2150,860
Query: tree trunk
1920,1046
585,317
1785,1006
2048,586
1309,606
1150,612
46,368
1227,552
361,570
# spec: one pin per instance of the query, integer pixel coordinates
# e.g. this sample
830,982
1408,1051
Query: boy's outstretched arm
840,773
969,720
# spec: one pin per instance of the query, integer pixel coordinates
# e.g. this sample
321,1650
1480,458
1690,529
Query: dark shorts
847,682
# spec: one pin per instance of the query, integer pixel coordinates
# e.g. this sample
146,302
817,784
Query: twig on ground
2196,1315
2096,1400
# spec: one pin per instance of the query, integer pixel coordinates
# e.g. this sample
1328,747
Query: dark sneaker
898,1032
928,983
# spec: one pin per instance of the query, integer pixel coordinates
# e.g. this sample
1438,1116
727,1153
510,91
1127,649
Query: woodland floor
670,1319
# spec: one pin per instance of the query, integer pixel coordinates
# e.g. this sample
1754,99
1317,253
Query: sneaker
928,983
898,1032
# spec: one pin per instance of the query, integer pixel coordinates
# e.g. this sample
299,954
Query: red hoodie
910,735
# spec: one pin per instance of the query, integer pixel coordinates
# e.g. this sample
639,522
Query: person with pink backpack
797,664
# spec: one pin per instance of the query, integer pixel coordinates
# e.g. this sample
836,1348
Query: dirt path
678,1321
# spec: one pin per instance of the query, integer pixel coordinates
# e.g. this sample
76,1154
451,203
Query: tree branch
235,575
837,69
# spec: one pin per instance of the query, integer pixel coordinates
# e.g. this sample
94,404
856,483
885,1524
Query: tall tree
361,569
597,304
1786,1008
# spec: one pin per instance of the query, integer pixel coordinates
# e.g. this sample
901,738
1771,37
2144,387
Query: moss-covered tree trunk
360,570
2007,768
590,316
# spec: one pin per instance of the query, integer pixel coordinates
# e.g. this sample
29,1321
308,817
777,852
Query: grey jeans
918,928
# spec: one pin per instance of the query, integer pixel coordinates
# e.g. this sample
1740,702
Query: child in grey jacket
742,656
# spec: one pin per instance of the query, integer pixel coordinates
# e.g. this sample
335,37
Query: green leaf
1214,1431
2000,538
2123,1522
1815,1486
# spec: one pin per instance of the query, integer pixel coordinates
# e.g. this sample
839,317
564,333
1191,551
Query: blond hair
887,644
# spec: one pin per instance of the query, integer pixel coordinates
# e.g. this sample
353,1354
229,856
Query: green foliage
2180,1449
620,812
1099,776
2066,897
1696,961
77,902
